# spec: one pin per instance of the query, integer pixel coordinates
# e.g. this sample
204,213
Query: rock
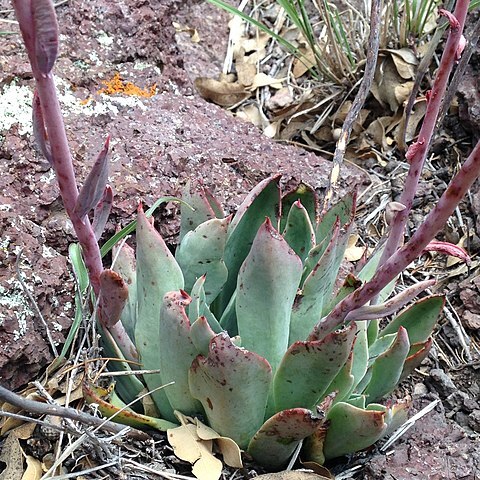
474,421
157,143
433,449
471,320
441,382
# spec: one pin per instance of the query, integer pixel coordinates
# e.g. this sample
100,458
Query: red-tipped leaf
94,187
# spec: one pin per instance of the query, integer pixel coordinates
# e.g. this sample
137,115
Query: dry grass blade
373,43
408,424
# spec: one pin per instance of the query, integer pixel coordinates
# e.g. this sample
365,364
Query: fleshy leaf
201,335
201,253
197,208
157,274
199,308
343,210
417,354
176,353
102,212
267,284
308,368
94,186
274,443
419,319
93,394
308,198
298,230
129,387
317,287
113,296
342,384
352,429
45,34
125,266
360,354
388,367
262,201
233,385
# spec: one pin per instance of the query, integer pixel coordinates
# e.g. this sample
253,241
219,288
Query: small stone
462,419
442,382
474,420
420,389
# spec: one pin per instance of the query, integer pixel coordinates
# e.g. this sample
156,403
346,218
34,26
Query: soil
158,143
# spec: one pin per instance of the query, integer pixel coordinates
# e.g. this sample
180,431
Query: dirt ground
161,141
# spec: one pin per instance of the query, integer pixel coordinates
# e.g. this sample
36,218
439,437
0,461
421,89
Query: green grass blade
290,47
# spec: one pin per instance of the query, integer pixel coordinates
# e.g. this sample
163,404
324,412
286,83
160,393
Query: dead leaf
228,448
352,252
264,80
251,113
389,87
12,456
280,99
304,63
188,446
222,93
405,62
34,469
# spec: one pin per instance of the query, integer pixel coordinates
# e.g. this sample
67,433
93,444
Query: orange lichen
117,86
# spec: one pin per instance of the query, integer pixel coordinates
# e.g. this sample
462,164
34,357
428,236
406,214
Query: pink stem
434,222
61,157
417,152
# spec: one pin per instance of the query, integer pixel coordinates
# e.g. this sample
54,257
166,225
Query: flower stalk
400,260
417,152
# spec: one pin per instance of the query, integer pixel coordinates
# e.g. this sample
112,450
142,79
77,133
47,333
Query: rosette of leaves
230,317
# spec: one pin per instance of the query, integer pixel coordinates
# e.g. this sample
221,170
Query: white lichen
16,108
48,252
14,301
104,39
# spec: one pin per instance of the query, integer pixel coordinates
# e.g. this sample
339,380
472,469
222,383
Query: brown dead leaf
222,93
228,448
389,87
282,98
264,80
416,116
405,62
188,446
12,456
34,469
304,63
193,442
251,113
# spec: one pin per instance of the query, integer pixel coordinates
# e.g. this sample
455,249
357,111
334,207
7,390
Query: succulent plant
249,324
230,319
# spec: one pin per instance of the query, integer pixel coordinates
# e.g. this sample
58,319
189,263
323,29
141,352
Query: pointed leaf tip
45,34
94,187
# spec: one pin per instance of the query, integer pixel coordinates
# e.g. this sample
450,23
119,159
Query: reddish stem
417,152
61,157
434,222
